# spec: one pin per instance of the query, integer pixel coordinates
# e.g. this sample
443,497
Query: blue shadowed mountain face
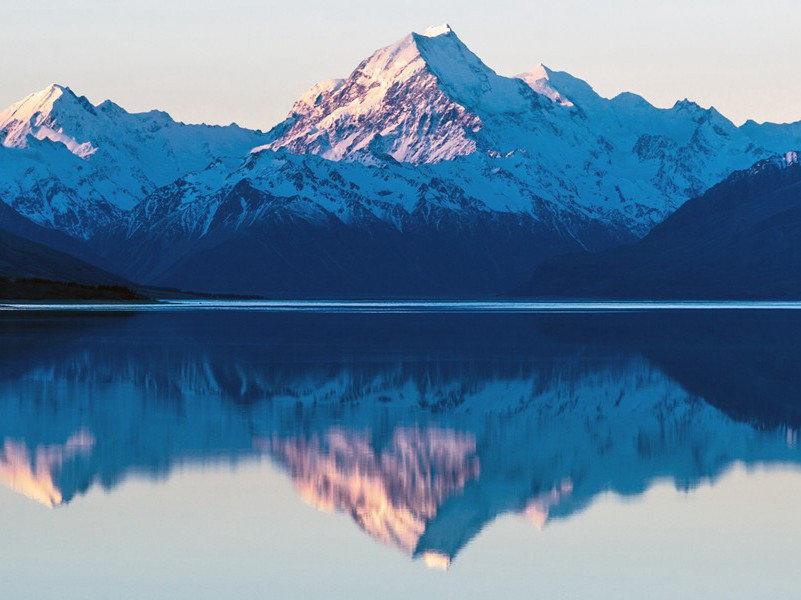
423,428
739,240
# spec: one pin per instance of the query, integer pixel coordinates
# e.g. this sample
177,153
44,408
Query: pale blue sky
246,534
246,61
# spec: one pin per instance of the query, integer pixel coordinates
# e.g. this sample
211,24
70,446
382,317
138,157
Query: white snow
310,97
437,30
538,80
121,157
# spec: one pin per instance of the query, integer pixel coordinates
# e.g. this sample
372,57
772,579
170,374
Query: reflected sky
199,452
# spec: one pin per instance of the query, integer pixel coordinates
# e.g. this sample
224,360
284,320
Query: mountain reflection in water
423,428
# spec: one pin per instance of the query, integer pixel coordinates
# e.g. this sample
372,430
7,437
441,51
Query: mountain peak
52,92
37,102
58,88
41,115
688,105
438,30
394,100
540,72
425,98
44,102
539,80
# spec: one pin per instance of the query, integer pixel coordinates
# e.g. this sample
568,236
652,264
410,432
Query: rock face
739,240
424,172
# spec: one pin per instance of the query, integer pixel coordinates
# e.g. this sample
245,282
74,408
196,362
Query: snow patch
437,30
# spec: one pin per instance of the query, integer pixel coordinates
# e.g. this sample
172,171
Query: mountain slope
739,240
22,258
78,167
297,225
43,263
29,270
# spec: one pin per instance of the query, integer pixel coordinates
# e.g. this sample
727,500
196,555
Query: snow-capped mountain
422,172
428,99
415,101
79,167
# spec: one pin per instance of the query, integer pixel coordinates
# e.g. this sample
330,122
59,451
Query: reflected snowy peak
422,434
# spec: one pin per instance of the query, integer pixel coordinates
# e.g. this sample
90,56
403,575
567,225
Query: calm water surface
445,452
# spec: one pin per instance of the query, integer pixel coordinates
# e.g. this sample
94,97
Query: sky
246,534
246,61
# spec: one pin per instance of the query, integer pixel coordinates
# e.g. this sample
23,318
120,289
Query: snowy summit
437,30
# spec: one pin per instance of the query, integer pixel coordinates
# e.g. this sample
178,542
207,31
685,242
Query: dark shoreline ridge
44,289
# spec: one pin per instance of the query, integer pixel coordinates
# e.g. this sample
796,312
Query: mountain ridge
421,137
737,241
78,167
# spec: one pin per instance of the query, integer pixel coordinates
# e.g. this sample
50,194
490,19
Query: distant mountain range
422,173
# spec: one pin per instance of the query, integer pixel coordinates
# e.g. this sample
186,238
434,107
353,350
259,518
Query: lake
395,450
